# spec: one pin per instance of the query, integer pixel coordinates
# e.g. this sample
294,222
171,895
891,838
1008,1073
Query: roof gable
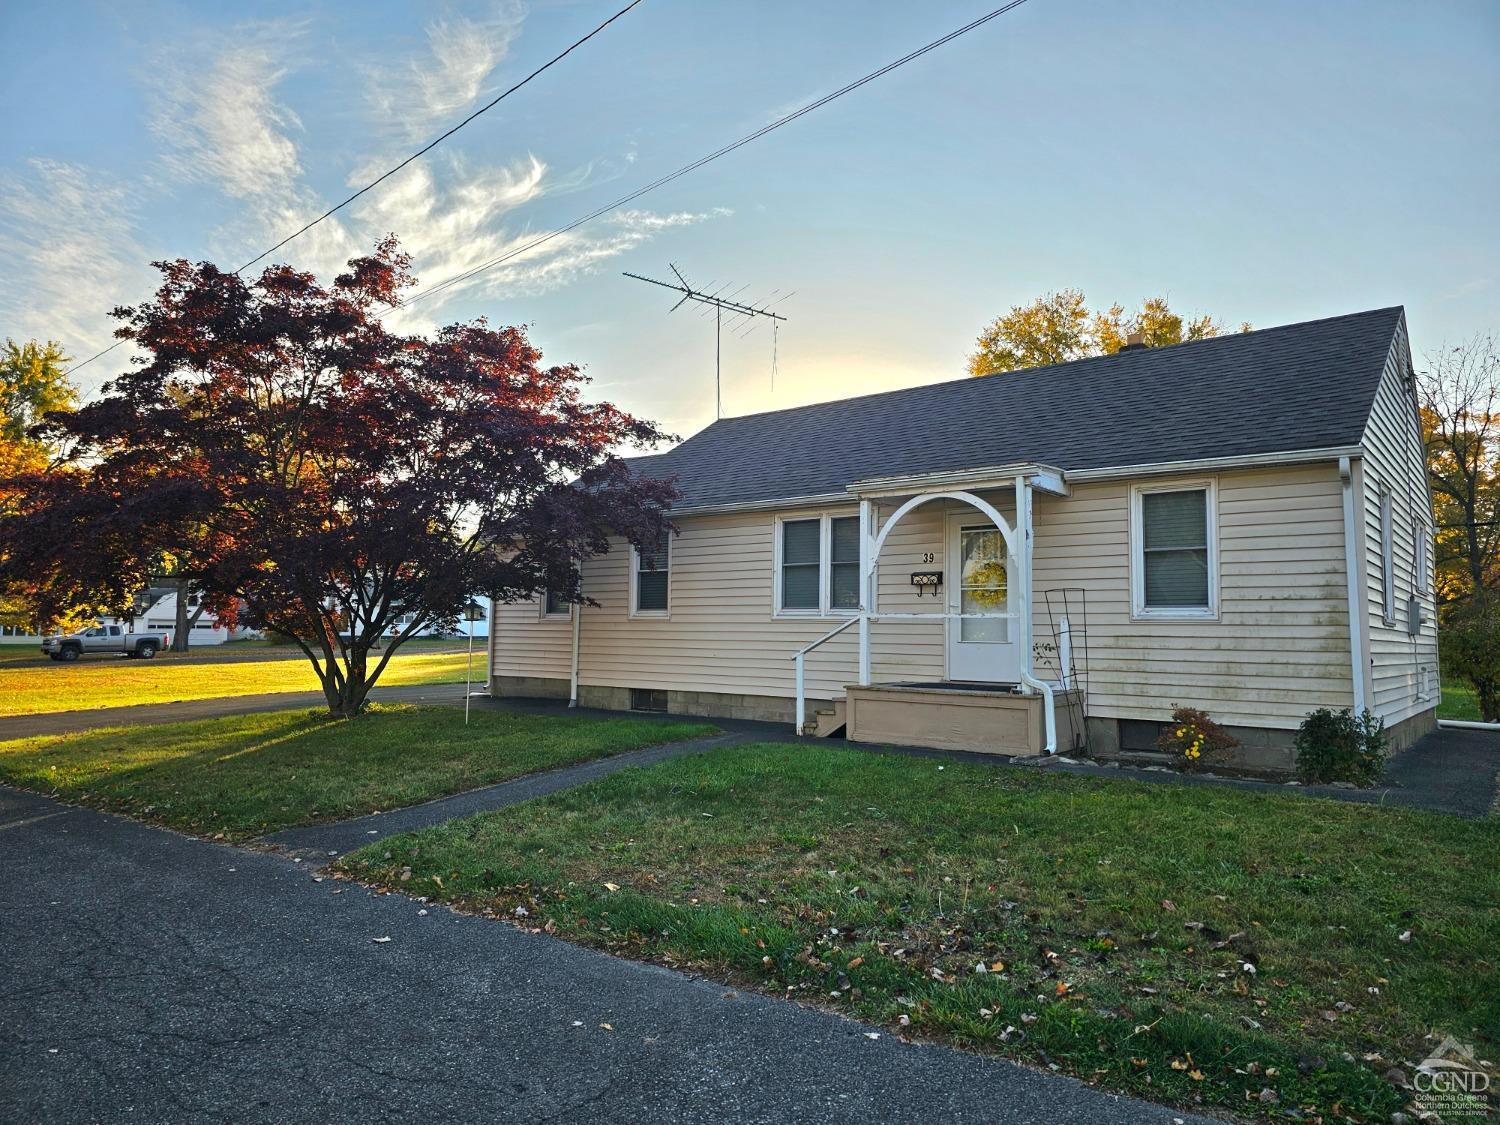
1276,390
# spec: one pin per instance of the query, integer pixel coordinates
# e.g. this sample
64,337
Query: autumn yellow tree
1058,327
33,382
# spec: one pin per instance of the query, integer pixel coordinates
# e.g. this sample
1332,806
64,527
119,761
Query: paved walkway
318,843
151,977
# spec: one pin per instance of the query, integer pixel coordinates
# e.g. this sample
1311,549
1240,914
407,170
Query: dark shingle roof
1295,387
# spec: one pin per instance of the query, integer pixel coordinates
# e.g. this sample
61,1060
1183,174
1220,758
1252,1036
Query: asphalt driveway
148,977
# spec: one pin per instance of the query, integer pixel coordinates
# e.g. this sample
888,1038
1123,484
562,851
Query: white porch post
1023,579
866,586
577,639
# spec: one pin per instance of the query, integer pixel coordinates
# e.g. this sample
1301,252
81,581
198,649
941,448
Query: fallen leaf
611,887
606,1027
380,940
1168,905
1196,1075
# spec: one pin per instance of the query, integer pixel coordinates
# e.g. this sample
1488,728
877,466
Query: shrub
1471,650
1193,739
1335,746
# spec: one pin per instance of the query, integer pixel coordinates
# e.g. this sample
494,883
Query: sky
1269,162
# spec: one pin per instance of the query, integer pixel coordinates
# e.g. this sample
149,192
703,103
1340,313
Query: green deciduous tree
1059,327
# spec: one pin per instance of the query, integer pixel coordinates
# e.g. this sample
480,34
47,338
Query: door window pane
1174,534
984,585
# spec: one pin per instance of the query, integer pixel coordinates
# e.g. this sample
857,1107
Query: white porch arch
1018,545
966,497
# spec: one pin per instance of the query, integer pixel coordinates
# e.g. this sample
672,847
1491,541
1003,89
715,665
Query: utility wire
439,140
715,155
414,156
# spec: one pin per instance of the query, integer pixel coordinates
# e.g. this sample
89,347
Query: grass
1189,945
1460,701
242,776
38,685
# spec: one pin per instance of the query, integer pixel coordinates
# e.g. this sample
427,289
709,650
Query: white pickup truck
113,639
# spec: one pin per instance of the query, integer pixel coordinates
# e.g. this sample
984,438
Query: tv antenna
720,304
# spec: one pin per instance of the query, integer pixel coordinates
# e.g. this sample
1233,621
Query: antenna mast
720,305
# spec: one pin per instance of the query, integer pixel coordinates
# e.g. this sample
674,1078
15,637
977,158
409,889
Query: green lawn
1460,701
1177,943
246,775
36,685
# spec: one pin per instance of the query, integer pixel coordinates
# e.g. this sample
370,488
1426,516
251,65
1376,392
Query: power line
439,140
414,156
715,155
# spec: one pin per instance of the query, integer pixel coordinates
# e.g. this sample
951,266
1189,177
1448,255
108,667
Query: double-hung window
1387,559
555,605
817,565
1174,561
650,578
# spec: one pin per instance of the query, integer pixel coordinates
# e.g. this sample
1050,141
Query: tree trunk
346,699
1489,701
182,628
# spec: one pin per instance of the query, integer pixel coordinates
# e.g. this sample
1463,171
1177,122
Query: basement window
648,699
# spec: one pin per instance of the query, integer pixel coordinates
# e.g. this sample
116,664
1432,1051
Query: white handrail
799,661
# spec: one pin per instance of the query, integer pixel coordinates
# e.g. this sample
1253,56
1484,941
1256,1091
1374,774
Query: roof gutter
925,481
1205,464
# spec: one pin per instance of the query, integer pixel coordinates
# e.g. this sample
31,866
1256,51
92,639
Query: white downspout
573,675
1030,684
1352,590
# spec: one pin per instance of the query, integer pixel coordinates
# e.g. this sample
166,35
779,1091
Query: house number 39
928,556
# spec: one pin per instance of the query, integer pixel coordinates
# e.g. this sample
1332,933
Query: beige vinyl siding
1278,649
1403,668
1280,645
530,644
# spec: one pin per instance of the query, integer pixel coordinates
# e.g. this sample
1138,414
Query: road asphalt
151,977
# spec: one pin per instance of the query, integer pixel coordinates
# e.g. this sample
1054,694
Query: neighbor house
1029,561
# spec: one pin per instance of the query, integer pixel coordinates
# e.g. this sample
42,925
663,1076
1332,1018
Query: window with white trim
1387,559
1174,552
650,579
817,565
1422,579
555,605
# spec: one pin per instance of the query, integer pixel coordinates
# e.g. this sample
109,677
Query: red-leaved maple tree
323,476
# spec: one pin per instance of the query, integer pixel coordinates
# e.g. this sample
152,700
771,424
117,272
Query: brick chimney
1134,342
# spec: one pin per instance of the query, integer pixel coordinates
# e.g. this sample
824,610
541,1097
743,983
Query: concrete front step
978,718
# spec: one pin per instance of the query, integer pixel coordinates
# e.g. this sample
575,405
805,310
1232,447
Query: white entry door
978,581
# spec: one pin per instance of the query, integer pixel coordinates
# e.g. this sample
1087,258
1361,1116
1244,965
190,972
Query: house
1031,561
204,628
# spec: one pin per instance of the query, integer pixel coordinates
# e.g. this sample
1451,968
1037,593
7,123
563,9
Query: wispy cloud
224,125
432,89
67,235
221,111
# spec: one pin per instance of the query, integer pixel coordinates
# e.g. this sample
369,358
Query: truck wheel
146,650
68,654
